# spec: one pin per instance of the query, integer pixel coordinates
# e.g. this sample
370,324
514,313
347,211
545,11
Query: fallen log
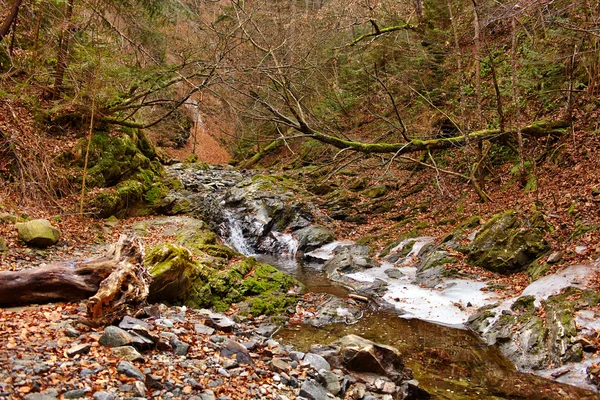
119,275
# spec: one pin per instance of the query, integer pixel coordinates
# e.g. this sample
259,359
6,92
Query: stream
448,362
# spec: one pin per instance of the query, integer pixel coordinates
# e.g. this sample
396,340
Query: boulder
312,237
171,267
348,259
38,233
362,355
507,244
3,246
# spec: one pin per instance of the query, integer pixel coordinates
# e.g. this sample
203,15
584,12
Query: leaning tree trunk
10,18
115,281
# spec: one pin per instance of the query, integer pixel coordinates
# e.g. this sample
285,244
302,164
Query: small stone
224,372
266,330
555,257
131,323
3,246
242,355
76,394
103,396
83,348
208,395
179,348
220,322
115,337
316,361
581,250
111,221
139,389
278,364
127,368
393,273
229,363
154,381
296,355
129,353
202,329
71,332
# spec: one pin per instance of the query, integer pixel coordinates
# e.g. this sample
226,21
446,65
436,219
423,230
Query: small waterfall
235,234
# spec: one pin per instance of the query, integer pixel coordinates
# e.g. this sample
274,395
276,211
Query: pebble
127,368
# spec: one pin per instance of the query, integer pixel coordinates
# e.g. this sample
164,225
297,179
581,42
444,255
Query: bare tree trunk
10,19
419,10
515,90
63,50
477,58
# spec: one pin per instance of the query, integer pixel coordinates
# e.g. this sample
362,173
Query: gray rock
296,355
50,394
232,348
316,361
203,329
129,353
393,273
76,393
312,237
555,257
330,381
208,395
179,348
103,396
266,330
312,390
349,259
139,389
362,355
220,322
131,323
116,337
38,233
127,368
83,348
6,218
279,365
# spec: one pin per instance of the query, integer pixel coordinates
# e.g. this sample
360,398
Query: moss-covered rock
507,244
38,233
313,237
200,272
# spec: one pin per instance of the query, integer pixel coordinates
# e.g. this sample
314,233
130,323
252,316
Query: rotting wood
115,282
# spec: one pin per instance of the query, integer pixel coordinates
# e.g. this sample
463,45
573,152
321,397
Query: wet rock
128,353
266,330
38,233
362,355
349,259
312,390
78,349
507,243
316,361
430,271
313,237
393,273
127,368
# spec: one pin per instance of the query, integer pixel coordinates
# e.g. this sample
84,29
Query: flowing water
449,363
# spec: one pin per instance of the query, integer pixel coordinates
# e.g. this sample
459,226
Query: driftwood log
113,282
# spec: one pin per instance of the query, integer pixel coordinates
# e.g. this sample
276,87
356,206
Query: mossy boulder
376,191
38,233
3,246
507,244
173,270
200,272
